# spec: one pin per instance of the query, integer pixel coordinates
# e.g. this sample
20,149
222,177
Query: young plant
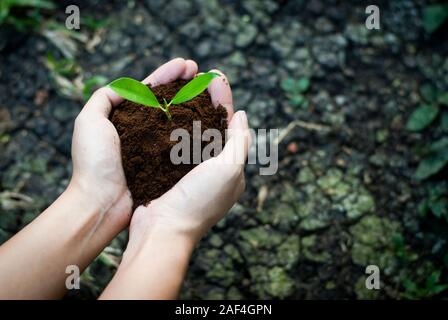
431,114
137,92
295,91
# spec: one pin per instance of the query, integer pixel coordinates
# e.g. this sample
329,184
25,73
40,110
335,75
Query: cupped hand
97,166
203,196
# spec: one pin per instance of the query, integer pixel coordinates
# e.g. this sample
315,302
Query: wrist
153,265
87,192
156,233
86,201
112,214
74,220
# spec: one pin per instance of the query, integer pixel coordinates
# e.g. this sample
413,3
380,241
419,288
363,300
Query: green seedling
137,92
295,90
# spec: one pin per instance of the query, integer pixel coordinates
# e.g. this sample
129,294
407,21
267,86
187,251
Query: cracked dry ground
344,187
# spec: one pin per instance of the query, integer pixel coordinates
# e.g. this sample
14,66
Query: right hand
97,167
203,196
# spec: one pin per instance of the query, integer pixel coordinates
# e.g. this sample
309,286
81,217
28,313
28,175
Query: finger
101,102
237,146
167,72
221,93
191,69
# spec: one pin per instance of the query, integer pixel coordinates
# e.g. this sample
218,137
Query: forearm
153,266
72,231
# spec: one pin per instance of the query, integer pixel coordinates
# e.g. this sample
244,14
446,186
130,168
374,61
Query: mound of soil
145,139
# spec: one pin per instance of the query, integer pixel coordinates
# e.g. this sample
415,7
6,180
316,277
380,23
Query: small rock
309,250
215,240
330,51
324,25
246,35
280,285
288,252
372,238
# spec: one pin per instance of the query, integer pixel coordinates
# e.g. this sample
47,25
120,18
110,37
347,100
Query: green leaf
303,84
428,92
423,207
443,99
439,145
433,278
134,91
438,288
439,207
44,4
422,117
7,5
194,87
444,121
438,190
434,16
432,164
297,100
290,85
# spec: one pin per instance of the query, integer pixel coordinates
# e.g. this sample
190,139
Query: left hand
97,166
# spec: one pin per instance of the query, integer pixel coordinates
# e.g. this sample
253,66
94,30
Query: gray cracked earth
344,189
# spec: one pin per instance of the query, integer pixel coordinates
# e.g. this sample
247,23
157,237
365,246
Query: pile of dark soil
145,139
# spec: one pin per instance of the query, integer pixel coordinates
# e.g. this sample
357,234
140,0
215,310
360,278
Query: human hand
203,196
168,228
97,166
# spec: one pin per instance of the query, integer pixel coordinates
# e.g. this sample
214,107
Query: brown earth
145,139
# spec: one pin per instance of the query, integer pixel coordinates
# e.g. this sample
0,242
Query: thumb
238,140
101,102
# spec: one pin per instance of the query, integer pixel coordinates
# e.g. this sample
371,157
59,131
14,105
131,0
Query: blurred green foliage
434,16
92,83
435,153
436,201
418,281
65,67
422,117
431,287
93,23
23,14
